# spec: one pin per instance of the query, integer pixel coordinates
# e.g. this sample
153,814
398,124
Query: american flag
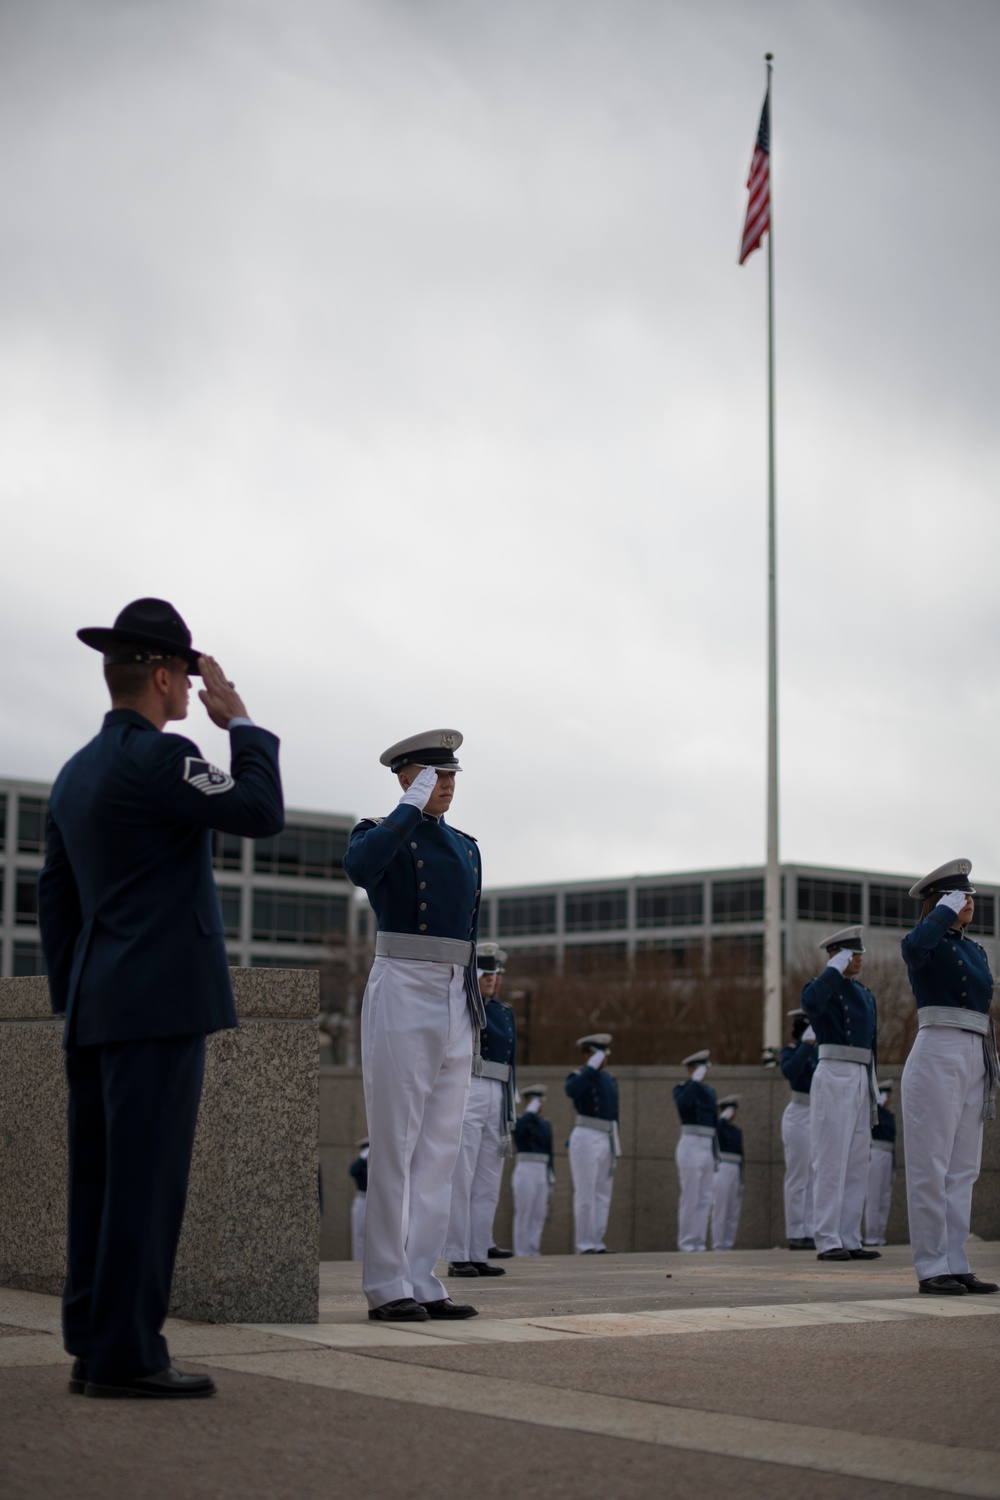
758,219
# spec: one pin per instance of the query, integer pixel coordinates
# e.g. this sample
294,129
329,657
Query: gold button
423,927
413,846
423,885
420,864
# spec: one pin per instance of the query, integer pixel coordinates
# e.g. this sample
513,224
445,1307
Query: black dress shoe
802,1244
495,1253
973,1283
839,1254
402,1310
482,1269
865,1254
168,1383
943,1286
463,1268
77,1378
445,1308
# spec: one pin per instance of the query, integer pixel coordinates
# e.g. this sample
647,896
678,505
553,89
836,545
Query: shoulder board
369,822
462,833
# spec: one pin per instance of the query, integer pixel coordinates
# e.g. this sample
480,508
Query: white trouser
796,1139
726,1205
879,1196
475,1183
416,1054
592,1166
358,1226
695,1158
840,1126
530,1184
943,1137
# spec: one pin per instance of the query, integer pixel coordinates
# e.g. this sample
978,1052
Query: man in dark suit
133,938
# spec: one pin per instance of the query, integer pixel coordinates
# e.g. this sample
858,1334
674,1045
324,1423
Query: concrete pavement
761,1372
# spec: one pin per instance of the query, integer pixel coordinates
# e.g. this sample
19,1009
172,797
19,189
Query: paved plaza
756,1373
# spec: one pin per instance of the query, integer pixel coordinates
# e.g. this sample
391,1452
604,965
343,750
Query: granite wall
249,1249
644,1206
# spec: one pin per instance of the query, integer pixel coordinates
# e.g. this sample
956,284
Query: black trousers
133,1107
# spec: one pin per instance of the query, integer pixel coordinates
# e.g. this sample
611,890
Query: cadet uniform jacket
696,1103
885,1130
945,967
127,905
842,1011
422,876
499,1039
533,1134
798,1063
594,1093
359,1171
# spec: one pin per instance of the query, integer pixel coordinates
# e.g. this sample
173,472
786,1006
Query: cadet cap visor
953,876
847,937
794,1014
146,630
434,747
731,1101
696,1058
535,1091
598,1041
360,1145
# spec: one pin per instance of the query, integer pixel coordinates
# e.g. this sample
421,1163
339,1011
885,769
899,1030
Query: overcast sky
403,347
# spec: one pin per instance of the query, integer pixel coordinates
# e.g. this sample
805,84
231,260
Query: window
984,919
227,851
231,901
31,813
3,820
291,917
667,956
738,955
834,901
315,852
669,905
28,959
485,918
529,963
738,900
26,898
593,911
891,906
595,958
519,916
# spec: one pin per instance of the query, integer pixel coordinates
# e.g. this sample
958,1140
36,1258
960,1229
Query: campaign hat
695,1058
845,937
951,876
146,630
434,747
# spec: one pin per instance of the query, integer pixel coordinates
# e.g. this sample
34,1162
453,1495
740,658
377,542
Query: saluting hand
420,789
222,701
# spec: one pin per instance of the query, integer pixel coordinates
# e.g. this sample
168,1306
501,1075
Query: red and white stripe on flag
758,220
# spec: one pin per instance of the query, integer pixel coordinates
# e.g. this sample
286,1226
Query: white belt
883,1146
610,1127
832,1052
732,1156
801,1099
499,1071
431,950
706,1130
533,1156
952,1015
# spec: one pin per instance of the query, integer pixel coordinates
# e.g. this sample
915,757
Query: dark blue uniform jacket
885,1130
841,1010
730,1137
129,914
945,968
696,1103
532,1133
499,1040
798,1063
594,1092
421,875
359,1171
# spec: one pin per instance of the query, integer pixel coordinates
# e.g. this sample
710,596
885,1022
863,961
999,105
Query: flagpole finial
769,57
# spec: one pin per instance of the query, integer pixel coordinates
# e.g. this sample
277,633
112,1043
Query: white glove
727,1113
595,1059
364,1154
808,1035
420,789
954,900
883,1100
533,1106
699,1073
840,959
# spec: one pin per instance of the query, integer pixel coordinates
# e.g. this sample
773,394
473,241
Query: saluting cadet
486,1130
534,1173
359,1171
881,1170
420,1023
132,933
843,1096
696,1152
949,1081
594,1143
728,1199
798,1063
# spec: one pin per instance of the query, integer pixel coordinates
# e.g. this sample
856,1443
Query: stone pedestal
249,1250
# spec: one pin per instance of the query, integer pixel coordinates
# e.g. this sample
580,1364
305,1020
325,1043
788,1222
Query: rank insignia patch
205,777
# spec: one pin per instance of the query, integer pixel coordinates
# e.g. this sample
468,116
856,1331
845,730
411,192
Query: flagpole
772,875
